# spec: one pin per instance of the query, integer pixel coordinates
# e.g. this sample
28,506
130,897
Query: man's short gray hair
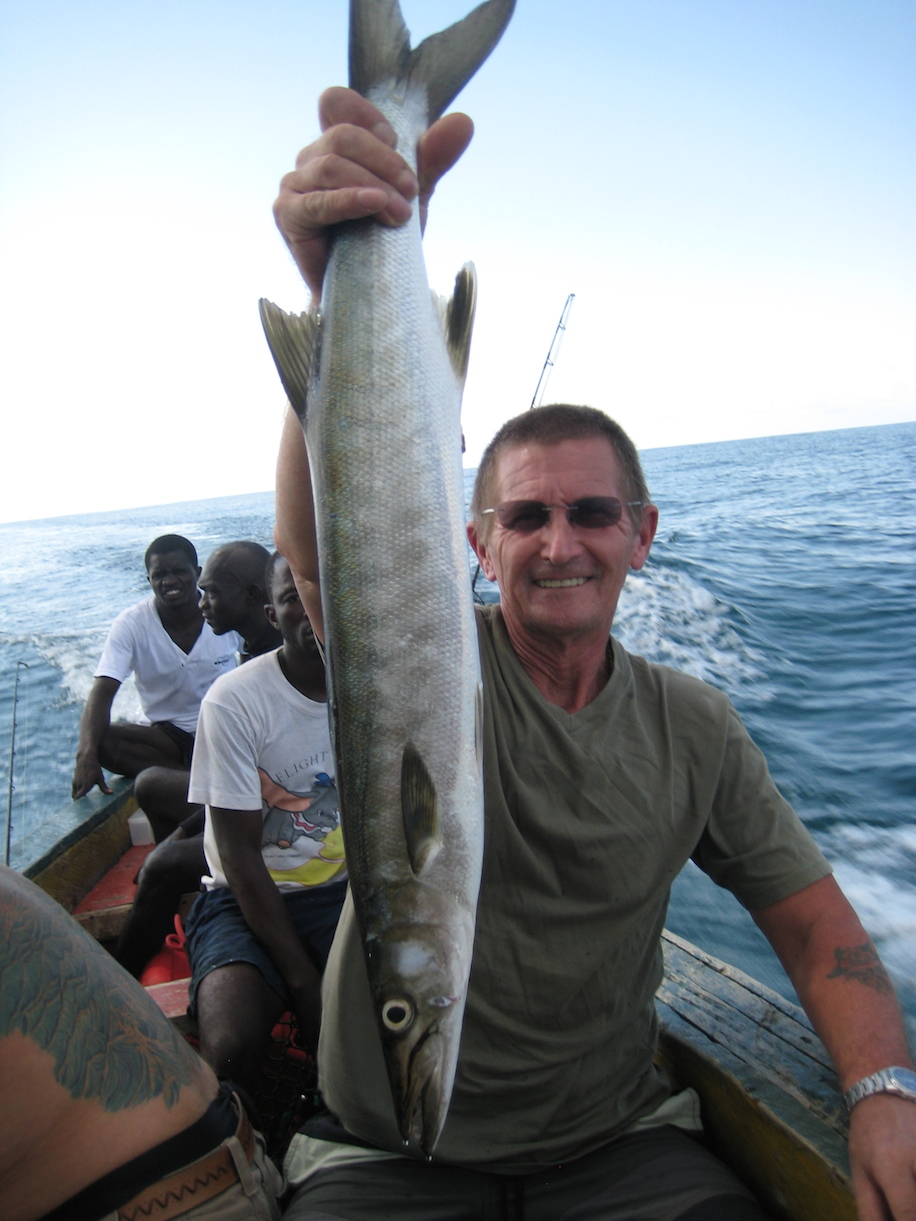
548,426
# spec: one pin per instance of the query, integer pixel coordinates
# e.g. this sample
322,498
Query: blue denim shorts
218,934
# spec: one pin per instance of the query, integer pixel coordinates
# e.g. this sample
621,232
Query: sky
728,187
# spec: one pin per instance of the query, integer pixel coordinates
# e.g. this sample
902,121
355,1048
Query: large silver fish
377,385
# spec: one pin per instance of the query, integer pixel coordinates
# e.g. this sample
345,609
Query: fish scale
377,385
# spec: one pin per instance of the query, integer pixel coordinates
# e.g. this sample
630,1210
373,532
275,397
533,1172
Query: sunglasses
589,513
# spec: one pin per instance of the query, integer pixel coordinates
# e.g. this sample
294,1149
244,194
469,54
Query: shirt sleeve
754,843
117,660
224,770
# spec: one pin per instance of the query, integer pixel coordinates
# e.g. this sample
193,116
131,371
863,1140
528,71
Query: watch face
905,1078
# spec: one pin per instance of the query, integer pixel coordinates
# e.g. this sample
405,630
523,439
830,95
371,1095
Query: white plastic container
140,830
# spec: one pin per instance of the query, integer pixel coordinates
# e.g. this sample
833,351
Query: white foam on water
668,617
75,655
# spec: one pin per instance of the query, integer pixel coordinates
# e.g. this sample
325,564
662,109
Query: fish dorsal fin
293,340
419,809
442,64
458,320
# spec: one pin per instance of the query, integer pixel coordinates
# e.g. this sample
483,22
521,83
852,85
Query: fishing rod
552,353
11,788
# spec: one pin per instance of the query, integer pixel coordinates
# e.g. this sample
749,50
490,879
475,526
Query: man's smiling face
173,579
561,580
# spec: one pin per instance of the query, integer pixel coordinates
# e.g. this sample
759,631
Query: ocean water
783,572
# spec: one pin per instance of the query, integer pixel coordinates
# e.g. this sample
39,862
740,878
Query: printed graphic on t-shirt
292,818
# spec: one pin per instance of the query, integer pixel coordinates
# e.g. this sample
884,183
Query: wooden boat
69,868
770,1099
771,1103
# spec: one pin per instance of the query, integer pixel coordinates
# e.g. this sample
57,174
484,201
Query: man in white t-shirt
174,656
232,602
258,938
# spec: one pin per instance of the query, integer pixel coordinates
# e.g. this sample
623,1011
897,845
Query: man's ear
481,550
642,543
271,615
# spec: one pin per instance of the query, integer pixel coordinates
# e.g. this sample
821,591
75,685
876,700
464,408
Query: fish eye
397,1016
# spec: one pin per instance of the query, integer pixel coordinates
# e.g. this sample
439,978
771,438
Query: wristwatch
899,1081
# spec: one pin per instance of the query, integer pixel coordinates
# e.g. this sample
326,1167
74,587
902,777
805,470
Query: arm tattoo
861,963
61,990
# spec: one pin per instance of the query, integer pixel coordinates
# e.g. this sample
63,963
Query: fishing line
11,786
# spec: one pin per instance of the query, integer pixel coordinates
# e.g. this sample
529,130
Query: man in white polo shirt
174,656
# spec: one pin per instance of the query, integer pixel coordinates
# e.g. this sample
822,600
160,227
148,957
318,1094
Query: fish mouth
420,1099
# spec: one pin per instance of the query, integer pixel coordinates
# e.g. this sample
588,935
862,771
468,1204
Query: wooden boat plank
172,999
771,1105
69,869
757,1035
105,924
755,998
117,887
103,912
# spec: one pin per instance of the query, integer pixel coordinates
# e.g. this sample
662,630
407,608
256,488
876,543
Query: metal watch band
894,1080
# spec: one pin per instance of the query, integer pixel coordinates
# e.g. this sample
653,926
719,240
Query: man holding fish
603,775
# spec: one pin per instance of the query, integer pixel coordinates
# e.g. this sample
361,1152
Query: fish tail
442,64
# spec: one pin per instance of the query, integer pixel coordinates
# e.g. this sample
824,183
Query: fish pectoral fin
419,809
458,320
293,340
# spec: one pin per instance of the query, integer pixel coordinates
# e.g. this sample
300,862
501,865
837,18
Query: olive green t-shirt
589,818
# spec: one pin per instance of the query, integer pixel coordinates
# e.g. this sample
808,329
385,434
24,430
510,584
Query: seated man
174,656
603,774
233,599
105,1107
232,602
258,938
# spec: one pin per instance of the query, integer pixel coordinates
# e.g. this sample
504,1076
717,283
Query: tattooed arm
850,1000
89,1067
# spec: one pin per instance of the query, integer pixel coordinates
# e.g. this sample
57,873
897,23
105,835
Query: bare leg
171,870
128,749
162,794
236,1013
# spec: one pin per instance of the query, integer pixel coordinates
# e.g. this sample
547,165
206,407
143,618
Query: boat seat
104,910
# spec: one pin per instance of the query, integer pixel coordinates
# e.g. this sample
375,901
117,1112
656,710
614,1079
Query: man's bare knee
155,786
175,867
162,794
236,1012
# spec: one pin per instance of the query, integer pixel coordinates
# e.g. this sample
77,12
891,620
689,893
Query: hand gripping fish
376,381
